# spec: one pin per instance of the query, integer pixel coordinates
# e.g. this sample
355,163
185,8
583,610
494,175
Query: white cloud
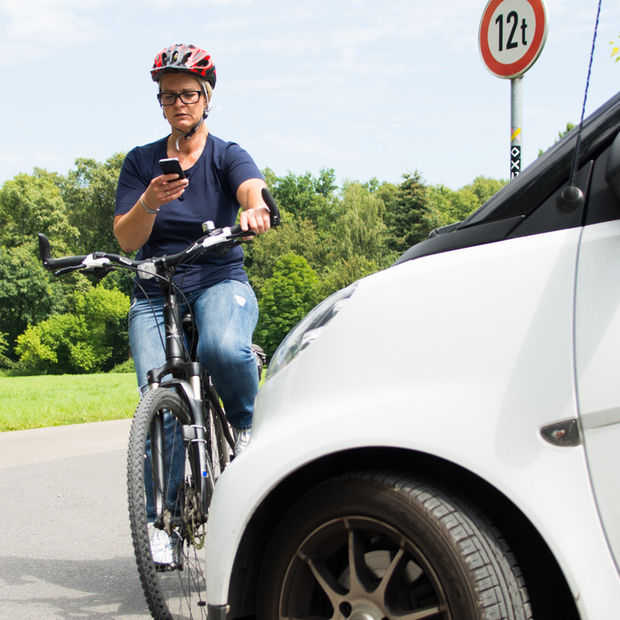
32,26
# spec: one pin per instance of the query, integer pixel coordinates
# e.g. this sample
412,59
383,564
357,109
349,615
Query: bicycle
182,392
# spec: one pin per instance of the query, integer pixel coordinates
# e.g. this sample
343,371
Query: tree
343,272
89,192
295,235
443,208
90,338
26,294
286,298
446,206
30,204
361,228
306,196
5,362
406,210
484,188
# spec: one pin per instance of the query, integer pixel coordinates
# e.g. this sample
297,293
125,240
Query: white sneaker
164,550
242,439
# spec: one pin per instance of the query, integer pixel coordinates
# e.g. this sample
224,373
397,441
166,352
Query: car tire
376,545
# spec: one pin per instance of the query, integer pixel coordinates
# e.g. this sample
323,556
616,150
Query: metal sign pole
511,36
516,107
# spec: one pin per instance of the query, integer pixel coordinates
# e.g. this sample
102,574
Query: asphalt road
65,547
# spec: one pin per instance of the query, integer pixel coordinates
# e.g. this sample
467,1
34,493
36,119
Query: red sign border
520,66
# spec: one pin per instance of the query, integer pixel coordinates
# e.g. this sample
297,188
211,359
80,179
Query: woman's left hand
256,219
255,214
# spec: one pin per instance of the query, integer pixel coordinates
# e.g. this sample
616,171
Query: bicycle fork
194,433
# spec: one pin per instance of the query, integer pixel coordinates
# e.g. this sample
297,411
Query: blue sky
371,89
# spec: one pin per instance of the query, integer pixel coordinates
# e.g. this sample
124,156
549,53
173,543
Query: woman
160,213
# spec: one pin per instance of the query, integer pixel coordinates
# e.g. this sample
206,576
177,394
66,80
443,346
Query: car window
550,216
603,205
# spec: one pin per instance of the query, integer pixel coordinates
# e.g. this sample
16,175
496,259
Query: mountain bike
180,416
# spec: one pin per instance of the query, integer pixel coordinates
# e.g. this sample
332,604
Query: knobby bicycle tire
177,593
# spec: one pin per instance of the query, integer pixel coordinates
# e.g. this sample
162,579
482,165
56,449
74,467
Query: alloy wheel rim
361,568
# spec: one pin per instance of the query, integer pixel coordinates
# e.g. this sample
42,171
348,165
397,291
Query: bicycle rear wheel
172,504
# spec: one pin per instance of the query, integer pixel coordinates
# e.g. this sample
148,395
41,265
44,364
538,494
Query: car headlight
309,329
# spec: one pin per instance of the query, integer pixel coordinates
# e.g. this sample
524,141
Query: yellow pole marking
515,133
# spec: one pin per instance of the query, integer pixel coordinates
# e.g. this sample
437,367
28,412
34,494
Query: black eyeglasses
187,96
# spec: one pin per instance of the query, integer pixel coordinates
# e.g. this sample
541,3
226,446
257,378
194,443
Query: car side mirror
612,174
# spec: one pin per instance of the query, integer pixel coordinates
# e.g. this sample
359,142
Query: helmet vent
186,58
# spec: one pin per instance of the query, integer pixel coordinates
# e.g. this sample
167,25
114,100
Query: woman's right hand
164,189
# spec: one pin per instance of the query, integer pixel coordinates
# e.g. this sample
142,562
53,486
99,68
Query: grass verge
55,400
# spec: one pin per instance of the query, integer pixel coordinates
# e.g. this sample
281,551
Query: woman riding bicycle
159,214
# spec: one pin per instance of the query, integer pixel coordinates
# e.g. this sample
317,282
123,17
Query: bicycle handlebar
148,268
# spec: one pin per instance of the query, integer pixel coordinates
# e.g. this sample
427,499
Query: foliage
4,345
30,204
26,295
306,196
561,134
125,367
91,338
362,230
446,206
330,237
89,192
406,211
296,235
286,298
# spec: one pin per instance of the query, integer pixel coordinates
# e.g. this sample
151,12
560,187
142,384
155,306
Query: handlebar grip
44,248
274,212
55,263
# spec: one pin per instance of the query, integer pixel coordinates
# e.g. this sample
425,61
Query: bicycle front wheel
163,488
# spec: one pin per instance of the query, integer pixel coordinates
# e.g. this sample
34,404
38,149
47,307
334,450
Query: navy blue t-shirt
210,195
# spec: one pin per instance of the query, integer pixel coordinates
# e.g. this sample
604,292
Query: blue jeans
226,315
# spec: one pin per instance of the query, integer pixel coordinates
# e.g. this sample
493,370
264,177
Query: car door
597,345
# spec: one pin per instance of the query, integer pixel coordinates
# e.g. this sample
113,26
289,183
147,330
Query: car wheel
373,546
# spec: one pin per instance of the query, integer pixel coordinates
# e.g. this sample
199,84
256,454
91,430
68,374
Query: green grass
55,400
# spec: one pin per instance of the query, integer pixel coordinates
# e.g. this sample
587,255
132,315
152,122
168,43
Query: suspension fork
195,438
157,463
195,434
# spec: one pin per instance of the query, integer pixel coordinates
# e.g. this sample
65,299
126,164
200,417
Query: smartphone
171,165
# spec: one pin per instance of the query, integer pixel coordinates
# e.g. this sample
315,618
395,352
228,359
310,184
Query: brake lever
64,270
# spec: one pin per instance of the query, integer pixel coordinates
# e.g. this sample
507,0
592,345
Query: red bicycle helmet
187,58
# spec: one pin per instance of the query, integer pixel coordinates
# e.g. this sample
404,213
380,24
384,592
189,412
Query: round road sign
512,35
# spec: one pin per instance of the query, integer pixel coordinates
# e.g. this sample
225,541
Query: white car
442,438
